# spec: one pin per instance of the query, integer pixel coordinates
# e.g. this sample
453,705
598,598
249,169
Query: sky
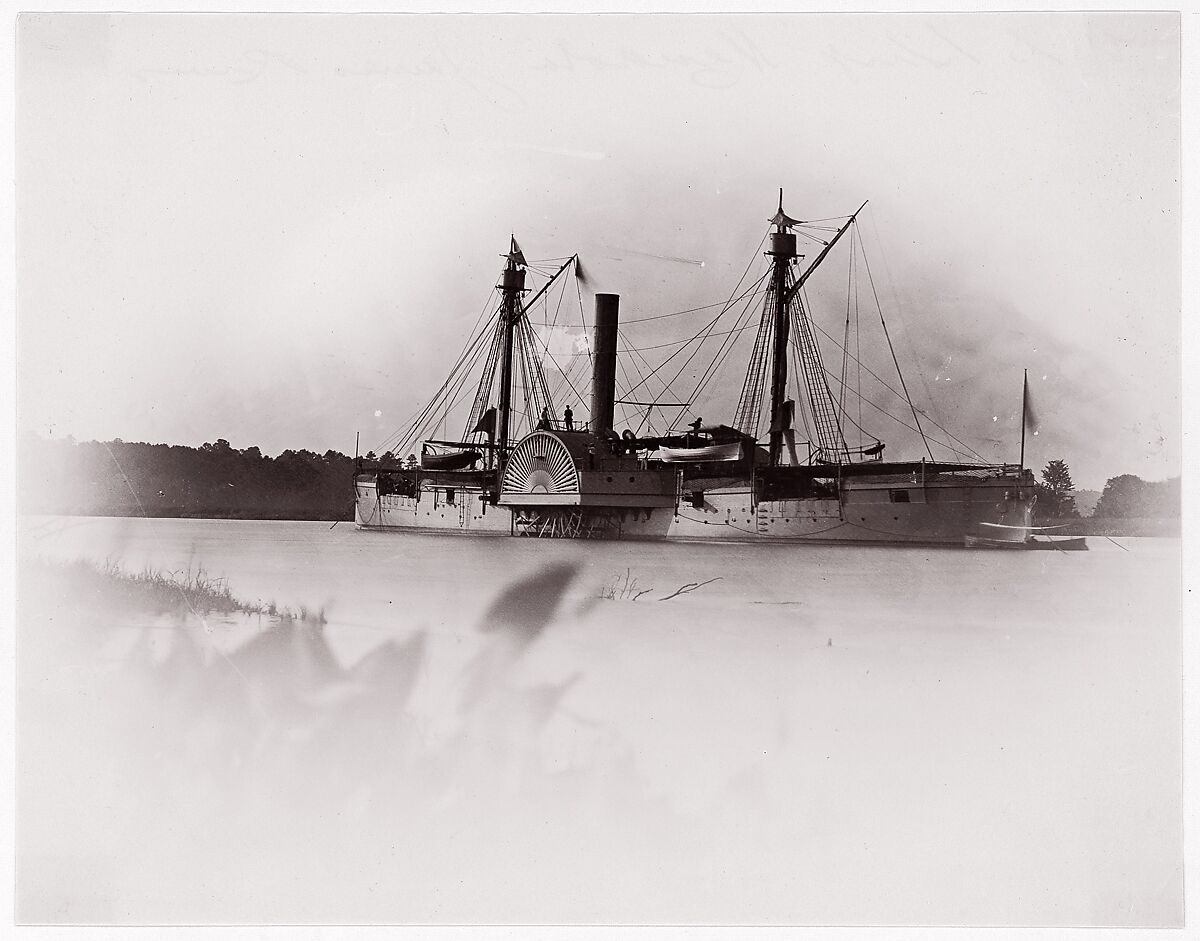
279,230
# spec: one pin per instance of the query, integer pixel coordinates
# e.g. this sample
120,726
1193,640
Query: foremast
515,352
511,287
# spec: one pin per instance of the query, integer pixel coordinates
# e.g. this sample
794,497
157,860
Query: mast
795,288
783,254
511,286
782,314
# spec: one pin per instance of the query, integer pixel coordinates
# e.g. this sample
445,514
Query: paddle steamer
520,468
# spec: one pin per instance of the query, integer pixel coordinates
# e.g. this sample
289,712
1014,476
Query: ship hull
461,509
872,512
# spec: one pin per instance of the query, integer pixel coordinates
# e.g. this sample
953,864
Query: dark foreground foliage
238,762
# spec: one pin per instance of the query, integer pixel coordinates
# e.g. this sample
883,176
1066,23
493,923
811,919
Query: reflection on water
487,730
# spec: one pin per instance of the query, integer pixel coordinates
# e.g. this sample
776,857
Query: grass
623,589
193,590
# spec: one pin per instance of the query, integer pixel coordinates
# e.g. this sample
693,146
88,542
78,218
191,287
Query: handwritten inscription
720,64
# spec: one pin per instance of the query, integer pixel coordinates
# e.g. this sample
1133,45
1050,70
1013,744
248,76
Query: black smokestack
604,362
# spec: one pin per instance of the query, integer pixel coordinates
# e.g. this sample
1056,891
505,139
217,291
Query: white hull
433,512
938,514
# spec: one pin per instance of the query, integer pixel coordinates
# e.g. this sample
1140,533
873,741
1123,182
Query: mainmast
783,255
782,314
511,286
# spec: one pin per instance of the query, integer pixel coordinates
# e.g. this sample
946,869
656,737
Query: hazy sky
272,228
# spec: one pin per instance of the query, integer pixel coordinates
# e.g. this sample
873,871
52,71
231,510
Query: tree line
121,478
1124,497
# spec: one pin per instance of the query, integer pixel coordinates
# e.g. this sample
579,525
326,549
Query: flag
1027,413
515,252
580,274
486,423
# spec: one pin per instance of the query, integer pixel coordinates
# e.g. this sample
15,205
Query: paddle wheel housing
576,486
542,468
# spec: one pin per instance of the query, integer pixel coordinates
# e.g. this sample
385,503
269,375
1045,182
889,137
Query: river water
697,733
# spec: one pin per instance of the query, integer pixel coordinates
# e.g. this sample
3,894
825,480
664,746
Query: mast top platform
512,279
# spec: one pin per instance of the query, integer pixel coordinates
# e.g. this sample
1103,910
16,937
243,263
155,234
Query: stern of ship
1004,519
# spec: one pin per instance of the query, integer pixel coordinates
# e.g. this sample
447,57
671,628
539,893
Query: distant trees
1054,493
1127,497
119,478
1124,497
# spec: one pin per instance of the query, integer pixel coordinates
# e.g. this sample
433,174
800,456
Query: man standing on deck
568,419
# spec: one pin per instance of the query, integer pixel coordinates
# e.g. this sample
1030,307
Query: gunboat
518,469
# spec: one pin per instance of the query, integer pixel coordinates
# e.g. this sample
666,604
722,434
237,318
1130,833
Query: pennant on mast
1029,417
514,253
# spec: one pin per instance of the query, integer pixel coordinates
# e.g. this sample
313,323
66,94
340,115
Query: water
813,735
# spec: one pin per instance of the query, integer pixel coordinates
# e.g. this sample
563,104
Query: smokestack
604,362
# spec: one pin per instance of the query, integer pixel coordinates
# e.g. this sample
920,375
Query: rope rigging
826,417
892,350
748,414
703,331
533,393
966,449
820,399
740,324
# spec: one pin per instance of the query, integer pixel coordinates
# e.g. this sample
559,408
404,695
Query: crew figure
568,419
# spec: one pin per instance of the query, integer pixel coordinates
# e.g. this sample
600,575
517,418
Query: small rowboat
456,460
712,452
1065,544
